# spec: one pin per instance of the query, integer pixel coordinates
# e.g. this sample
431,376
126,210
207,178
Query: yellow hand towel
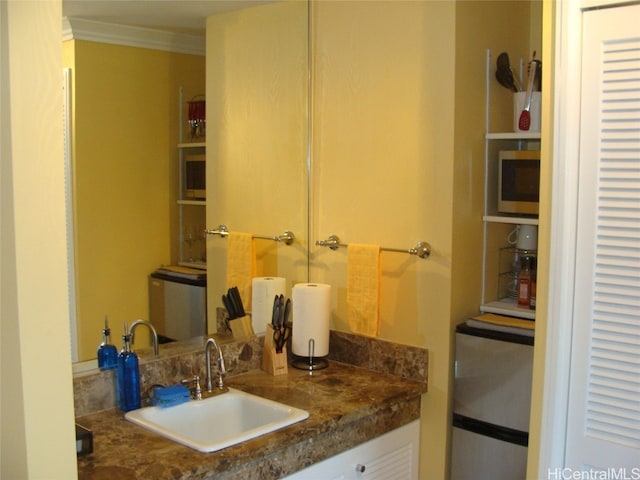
241,265
363,289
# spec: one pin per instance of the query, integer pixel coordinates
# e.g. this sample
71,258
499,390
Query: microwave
195,177
519,181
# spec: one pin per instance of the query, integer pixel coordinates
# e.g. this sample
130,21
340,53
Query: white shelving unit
191,213
494,142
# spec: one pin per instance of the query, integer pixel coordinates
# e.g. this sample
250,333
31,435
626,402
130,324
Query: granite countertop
347,405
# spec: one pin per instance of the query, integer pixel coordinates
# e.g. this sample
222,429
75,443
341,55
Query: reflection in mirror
257,139
124,177
145,355
125,112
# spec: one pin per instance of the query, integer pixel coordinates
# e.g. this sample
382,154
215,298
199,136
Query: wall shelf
512,136
496,224
192,145
512,220
508,307
202,203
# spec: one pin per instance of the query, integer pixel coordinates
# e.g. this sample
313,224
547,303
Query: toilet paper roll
311,314
264,289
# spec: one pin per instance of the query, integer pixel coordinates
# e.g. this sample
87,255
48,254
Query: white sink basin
219,421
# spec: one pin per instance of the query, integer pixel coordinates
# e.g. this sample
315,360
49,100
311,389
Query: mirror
125,131
257,132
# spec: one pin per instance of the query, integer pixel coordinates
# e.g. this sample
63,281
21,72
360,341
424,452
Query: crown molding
82,29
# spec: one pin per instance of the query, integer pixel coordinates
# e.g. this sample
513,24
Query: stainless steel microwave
519,181
195,177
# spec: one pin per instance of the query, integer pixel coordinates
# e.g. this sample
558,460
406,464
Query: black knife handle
228,306
234,293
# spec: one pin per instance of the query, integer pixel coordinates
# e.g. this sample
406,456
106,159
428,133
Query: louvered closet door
604,410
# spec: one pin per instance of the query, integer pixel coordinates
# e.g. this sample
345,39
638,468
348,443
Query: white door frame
564,137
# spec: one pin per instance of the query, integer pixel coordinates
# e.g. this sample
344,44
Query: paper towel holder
310,363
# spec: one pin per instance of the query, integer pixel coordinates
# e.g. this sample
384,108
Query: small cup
524,237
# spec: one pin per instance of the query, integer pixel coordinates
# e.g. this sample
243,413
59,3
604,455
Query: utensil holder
273,363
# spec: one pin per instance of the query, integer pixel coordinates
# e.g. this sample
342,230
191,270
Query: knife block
272,362
241,327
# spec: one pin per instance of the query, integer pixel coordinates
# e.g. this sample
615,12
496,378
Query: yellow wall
125,170
36,399
398,157
257,84
383,173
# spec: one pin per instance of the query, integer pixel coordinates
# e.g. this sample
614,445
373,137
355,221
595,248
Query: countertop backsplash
95,390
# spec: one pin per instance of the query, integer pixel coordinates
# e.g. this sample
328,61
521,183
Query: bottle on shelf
107,353
532,290
128,375
524,284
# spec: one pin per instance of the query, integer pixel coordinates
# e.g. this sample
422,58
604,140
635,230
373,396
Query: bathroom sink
219,421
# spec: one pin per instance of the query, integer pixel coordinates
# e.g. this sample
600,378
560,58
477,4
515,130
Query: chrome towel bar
287,237
422,249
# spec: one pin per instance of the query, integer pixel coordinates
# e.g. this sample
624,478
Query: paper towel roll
311,314
264,289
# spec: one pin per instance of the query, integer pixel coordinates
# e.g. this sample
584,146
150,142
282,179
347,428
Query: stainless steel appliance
492,398
178,302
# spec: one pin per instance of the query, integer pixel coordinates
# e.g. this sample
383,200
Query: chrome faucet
196,393
154,335
221,368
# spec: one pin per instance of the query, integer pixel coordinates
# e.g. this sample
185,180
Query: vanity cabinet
497,225
392,455
191,202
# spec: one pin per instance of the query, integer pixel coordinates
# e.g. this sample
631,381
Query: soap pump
107,353
128,375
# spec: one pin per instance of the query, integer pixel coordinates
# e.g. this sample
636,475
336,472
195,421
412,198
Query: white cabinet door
604,396
393,455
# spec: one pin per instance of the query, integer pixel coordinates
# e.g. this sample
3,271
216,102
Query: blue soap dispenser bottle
107,353
128,375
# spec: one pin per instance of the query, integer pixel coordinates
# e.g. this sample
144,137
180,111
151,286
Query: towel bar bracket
422,249
287,237
222,230
333,242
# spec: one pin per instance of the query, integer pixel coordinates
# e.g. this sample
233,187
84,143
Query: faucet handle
197,391
221,373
